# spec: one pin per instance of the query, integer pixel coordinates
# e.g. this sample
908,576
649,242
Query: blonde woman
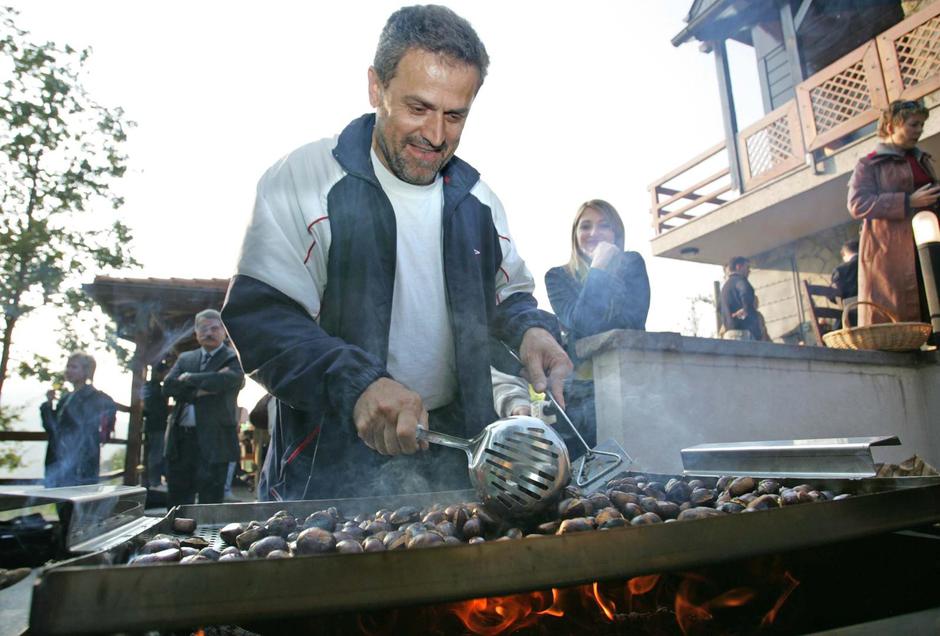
602,287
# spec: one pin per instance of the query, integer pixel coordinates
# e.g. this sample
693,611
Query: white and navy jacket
310,307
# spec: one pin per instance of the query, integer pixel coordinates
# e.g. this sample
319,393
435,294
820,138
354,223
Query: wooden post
717,291
790,43
730,119
135,423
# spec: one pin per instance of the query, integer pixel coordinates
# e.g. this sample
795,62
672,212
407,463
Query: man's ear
375,88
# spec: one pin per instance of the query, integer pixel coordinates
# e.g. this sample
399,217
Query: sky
583,100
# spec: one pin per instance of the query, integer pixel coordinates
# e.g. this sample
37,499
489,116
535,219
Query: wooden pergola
156,314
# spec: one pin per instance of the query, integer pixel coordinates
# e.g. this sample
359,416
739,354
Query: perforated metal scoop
518,465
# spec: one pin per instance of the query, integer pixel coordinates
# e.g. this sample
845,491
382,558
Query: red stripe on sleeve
314,222
304,444
309,251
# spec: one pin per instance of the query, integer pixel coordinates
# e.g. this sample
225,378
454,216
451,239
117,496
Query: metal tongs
592,467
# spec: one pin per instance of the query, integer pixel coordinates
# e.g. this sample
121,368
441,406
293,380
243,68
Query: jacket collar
352,153
890,150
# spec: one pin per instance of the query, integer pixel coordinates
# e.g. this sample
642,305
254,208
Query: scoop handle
424,435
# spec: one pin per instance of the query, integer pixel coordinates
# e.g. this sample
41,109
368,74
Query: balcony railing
901,63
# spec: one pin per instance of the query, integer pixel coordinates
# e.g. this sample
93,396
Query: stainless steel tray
89,594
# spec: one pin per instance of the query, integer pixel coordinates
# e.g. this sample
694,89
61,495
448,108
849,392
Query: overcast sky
583,100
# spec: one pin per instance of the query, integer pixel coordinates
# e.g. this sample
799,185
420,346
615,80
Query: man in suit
202,436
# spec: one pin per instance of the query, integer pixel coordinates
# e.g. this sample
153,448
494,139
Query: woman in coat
888,187
602,287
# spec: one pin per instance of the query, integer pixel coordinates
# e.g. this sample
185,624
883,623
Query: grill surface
74,598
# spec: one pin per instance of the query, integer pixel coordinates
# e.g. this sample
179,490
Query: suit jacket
216,412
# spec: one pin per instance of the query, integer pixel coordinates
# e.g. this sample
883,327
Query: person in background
738,304
602,287
510,394
156,408
845,279
202,433
77,425
889,185
262,416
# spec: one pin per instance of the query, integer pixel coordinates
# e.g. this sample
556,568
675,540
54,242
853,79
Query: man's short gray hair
433,28
86,361
208,314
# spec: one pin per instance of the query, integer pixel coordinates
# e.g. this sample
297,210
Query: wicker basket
893,336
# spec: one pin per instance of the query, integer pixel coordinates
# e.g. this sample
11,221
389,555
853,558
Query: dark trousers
153,452
188,475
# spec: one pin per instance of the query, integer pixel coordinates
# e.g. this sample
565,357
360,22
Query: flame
770,616
496,615
555,608
199,632
697,601
642,584
608,607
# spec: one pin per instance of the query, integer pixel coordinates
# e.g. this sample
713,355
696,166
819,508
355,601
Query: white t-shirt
421,340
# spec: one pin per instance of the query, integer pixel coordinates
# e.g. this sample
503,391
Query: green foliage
10,457
60,156
116,461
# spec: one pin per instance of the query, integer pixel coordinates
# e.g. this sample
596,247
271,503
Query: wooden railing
771,146
842,97
901,63
43,436
689,197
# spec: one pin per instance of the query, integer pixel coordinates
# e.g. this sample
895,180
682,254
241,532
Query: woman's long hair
579,264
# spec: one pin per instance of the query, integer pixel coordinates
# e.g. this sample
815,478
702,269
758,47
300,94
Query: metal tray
89,594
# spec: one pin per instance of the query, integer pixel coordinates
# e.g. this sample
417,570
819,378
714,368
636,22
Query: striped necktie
206,357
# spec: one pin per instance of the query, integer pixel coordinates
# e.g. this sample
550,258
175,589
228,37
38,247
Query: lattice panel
770,146
840,98
919,53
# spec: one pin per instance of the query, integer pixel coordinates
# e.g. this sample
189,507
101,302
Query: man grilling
374,273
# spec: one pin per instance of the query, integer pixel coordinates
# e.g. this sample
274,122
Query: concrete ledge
674,342
657,393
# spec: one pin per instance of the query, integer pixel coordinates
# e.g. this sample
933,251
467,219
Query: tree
60,157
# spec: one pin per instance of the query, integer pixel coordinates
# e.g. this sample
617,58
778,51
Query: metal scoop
518,465
594,464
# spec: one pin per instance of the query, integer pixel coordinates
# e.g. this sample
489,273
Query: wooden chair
822,317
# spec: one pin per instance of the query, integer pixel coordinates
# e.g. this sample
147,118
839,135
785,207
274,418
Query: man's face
75,372
210,333
743,269
421,113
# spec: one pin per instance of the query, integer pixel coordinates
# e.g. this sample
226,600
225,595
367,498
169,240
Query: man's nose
433,130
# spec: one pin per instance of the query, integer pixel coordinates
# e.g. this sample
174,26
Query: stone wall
777,277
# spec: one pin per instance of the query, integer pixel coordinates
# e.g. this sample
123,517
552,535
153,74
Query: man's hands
541,354
924,197
387,417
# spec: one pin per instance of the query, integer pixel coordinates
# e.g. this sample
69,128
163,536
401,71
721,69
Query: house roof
156,312
712,20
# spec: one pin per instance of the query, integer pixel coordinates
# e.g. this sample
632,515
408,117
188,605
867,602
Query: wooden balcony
837,102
